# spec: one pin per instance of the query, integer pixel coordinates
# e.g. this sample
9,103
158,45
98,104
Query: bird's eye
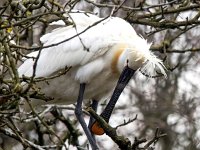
127,61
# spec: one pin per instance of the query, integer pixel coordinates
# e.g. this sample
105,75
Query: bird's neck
123,56
123,60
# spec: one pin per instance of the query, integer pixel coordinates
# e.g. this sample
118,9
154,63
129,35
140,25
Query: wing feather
79,50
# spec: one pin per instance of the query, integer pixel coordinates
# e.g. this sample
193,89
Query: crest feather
153,64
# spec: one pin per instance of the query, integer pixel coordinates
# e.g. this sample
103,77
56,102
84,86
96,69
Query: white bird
99,50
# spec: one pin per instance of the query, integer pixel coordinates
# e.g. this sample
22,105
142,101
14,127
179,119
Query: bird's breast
118,58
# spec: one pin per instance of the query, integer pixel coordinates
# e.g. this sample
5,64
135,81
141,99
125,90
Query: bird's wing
77,17
89,45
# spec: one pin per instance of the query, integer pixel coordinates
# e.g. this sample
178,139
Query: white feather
91,55
98,39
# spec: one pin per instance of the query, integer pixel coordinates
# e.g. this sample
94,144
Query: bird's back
89,54
73,50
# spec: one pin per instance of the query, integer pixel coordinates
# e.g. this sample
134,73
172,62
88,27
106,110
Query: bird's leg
79,115
94,106
122,82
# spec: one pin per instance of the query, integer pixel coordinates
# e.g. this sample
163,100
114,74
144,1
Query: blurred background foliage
172,104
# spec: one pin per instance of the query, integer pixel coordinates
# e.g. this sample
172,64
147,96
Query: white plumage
97,57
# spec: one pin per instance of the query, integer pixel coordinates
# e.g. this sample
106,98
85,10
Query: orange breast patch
115,58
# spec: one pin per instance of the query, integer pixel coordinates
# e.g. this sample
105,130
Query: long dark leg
122,82
79,115
94,106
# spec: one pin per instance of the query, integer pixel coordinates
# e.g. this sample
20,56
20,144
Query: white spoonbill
100,51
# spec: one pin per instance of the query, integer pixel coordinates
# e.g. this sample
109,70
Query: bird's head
136,54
